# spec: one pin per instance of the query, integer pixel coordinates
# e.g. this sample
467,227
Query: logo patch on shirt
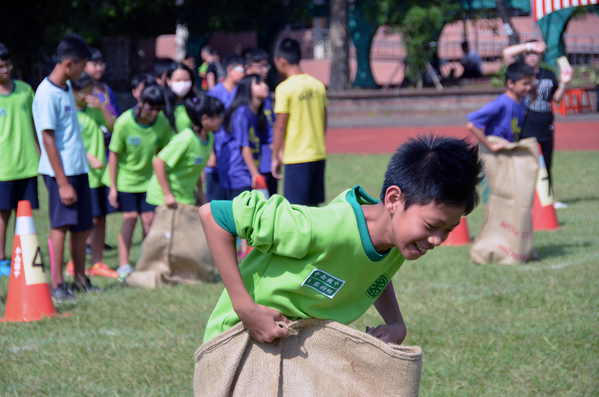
67,109
378,286
324,283
134,140
3,112
198,160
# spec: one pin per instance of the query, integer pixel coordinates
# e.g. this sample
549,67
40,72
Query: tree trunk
339,37
507,23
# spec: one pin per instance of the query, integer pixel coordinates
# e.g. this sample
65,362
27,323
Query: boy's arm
510,53
482,138
67,193
277,139
261,321
94,162
160,171
112,166
395,329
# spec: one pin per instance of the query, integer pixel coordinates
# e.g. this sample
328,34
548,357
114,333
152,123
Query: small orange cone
261,186
544,216
460,235
29,297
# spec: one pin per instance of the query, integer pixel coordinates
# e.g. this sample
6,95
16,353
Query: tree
339,37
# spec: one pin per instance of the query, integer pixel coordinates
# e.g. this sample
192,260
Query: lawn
529,330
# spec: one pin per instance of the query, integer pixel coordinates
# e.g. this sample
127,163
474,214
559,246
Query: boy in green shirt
93,114
139,134
19,149
336,261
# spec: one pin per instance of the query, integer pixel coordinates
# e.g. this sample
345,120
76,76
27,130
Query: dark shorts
304,183
213,189
272,184
230,194
130,202
11,192
78,217
99,196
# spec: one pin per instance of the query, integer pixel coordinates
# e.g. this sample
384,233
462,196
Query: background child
18,147
503,117
160,69
216,72
300,107
206,55
179,87
335,262
225,92
178,167
96,67
91,114
63,163
257,62
138,83
139,134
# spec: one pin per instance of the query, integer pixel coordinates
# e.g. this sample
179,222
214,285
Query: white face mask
181,88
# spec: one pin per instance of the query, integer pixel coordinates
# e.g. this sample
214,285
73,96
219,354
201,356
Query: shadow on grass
580,200
558,250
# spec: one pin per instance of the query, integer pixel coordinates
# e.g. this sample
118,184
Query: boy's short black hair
290,50
161,66
84,81
254,54
96,54
140,78
435,169
153,95
232,60
206,48
518,70
72,46
4,53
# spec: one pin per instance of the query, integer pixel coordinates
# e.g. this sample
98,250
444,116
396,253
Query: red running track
568,136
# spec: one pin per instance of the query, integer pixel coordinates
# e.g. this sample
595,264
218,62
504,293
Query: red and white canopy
542,8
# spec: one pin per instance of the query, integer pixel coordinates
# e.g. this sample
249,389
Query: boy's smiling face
419,228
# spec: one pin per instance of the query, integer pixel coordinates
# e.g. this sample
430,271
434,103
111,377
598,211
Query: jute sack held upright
323,358
506,236
174,251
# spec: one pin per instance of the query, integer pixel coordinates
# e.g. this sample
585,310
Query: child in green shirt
139,134
336,261
178,167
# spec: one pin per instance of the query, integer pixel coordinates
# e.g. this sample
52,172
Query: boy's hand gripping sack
174,251
506,236
325,358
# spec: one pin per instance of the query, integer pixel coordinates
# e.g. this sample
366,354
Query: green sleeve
222,212
165,131
117,142
173,151
273,225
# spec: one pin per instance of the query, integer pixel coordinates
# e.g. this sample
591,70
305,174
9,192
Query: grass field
529,330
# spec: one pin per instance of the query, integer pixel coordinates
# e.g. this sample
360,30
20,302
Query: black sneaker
62,293
85,287
108,247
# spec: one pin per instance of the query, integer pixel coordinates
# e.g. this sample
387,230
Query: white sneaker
558,205
124,271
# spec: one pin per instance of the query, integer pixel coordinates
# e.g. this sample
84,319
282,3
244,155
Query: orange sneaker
102,270
70,271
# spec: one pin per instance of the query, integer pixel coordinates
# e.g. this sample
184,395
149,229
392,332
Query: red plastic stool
575,100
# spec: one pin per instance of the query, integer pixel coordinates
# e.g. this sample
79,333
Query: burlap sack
506,236
174,251
325,358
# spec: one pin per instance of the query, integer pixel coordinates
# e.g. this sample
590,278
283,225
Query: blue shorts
99,196
230,194
11,192
304,183
77,217
213,189
133,202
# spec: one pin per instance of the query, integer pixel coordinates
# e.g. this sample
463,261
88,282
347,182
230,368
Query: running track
568,136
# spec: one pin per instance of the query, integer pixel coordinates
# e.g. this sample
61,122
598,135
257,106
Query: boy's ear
394,199
509,84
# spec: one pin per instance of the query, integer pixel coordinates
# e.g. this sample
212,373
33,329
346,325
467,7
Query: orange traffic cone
29,297
544,216
460,235
261,186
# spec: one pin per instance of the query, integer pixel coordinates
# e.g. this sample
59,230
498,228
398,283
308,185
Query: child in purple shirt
504,116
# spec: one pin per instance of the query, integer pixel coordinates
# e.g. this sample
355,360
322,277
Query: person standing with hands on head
19,150
301,121
538,122
63,163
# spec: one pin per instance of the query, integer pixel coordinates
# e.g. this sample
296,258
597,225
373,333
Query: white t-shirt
54,109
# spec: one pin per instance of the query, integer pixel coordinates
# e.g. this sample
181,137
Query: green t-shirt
185,157
182,120
90,121
136,146
17,137
307,262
